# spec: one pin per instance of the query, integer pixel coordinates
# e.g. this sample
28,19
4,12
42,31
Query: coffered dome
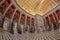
34,7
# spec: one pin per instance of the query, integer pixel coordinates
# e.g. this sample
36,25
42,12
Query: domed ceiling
37,6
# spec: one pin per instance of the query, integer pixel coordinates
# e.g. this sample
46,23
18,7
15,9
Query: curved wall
14,14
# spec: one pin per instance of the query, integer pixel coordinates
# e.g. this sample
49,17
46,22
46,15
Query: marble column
11,21
3,16
30,21
59,22
19,23
6,24
22,28
35,25
28,28
6,10
45,25
54,20
56,16
50,22
25,21
15,27
30,24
